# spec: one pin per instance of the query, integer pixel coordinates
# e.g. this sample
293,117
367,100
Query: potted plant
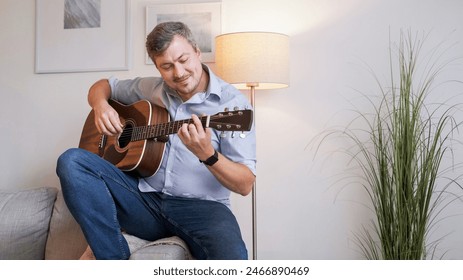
399,151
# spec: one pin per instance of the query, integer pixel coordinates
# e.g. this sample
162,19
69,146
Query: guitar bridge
102,144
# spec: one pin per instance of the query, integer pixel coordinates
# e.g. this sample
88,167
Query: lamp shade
253,58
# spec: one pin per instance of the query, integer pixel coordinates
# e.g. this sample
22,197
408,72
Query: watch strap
212,159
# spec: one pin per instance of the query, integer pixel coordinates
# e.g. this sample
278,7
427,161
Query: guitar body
142,157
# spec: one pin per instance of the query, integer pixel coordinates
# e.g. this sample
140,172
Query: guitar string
128,132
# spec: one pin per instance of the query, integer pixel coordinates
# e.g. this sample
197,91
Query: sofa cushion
171,248
24,220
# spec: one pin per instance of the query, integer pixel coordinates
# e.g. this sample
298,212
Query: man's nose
178,71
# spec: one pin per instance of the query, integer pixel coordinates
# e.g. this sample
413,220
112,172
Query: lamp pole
252,87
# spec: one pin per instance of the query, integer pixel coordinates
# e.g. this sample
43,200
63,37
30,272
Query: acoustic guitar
139,148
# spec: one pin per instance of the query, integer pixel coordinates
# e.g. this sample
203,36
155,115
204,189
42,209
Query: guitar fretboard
157,130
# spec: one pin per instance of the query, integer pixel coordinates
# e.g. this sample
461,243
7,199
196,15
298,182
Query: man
189,194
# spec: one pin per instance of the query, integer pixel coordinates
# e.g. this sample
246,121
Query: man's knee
67,159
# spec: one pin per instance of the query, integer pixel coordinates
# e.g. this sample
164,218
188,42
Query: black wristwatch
212,159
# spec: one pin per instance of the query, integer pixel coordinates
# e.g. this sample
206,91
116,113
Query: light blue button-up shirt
181,174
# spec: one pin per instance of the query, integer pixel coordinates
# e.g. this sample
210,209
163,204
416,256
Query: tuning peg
242,135
236,108
223,134
225,109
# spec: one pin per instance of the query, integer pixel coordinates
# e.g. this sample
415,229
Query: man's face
180,67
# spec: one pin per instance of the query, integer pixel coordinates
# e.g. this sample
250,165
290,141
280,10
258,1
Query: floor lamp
253,60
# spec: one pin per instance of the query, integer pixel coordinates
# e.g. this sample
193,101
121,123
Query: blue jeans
105,200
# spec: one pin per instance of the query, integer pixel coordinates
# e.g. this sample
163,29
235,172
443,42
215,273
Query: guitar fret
162,129
142,129
136,133
175,126
145,132
140,133
154,130
203,121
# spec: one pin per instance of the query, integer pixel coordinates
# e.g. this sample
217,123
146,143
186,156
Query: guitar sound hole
126,136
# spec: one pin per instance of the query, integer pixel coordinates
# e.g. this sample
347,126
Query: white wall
302,212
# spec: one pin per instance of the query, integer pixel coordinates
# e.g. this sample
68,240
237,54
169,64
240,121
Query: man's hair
162,35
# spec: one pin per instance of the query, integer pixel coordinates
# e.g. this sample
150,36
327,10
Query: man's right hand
107,120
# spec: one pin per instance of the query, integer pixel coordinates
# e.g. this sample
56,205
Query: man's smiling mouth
182,80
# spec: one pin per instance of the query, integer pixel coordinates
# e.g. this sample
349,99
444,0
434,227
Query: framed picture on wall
204,20
82,35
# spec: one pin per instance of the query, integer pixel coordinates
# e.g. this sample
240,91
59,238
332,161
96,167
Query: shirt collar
214,86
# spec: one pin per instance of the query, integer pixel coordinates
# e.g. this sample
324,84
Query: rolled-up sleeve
132,90
241,148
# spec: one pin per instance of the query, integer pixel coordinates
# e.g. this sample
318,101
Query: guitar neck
159,130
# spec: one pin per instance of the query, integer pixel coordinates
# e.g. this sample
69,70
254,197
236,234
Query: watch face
212,159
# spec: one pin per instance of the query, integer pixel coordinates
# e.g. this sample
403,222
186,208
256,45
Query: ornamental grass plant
400,152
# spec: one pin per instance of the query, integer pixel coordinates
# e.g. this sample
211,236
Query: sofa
35,224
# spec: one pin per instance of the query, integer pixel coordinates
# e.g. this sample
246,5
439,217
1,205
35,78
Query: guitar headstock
238,120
